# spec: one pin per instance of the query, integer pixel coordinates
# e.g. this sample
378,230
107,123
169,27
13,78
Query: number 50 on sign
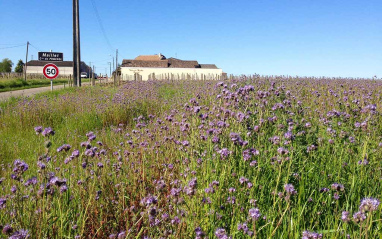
50,71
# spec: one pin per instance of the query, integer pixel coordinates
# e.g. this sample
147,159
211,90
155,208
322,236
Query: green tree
6,65
19,67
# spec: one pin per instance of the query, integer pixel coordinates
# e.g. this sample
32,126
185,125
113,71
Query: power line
101,25
11,43
12,46
34,47
102,60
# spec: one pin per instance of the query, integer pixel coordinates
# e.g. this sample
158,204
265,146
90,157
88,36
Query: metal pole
110,67
90,69
76,44
116,66
26,62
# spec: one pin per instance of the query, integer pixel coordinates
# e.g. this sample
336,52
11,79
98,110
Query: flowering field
248,158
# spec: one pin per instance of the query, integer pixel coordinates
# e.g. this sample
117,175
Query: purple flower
41,165
338,187
3,202
199,233
31,181
220,233
289,189
282,151
63,189
254,213
369,204
38,129
19,169
240,116
64,147
288,135
7,229
224,152
243,180
122,235
89,152
76,153
47,132
359,217
176,220
86,145
231,200
345,216
311,235
21,234
149,200
91,136
336,196
193,183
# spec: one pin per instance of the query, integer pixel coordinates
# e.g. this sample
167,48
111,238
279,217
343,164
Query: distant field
20,84
261,157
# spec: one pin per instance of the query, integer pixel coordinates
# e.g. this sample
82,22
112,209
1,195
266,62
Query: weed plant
260,157
20,84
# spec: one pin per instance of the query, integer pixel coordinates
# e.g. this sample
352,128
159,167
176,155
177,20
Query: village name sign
50,56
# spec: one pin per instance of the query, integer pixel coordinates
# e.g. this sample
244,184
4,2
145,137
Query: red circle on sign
50,71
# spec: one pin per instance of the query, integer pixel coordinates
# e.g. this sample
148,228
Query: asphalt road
30,92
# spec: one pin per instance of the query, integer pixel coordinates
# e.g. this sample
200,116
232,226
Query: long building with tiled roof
149,67
65,67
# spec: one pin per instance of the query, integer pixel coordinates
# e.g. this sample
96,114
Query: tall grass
19,83
248,158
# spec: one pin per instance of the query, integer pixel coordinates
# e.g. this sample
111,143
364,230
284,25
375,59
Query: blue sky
290,37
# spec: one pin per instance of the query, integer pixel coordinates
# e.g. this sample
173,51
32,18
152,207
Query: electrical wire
101,25
8,47
11,43
34,47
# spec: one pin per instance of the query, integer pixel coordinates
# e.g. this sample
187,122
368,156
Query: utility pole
116,64
90,68
26,62
93,78
76,44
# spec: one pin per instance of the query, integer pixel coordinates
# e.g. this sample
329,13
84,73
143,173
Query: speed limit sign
50,71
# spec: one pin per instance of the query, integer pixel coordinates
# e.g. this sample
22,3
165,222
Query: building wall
63,71
147,73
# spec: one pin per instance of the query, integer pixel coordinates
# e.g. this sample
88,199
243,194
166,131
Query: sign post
51,72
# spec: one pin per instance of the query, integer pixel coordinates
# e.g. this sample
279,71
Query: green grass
21,84
145,127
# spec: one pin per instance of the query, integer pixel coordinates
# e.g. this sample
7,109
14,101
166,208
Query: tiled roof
138,63
176,63
57,63
208,66
157,57
153,61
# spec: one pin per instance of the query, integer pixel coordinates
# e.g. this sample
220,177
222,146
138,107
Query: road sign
50,71
50,56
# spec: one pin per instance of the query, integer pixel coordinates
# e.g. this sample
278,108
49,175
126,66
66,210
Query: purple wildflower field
251,157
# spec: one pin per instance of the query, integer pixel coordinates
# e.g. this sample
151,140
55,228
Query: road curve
30,92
